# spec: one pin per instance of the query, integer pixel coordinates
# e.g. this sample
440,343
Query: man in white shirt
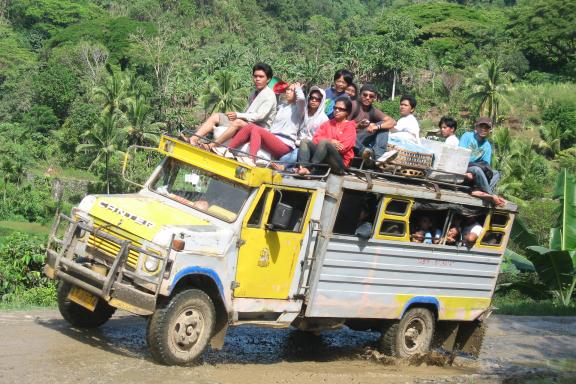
447,127
407,128
261,111
471,230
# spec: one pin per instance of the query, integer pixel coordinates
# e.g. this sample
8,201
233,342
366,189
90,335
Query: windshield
201,190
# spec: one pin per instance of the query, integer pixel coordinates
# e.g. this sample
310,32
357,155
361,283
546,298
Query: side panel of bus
380,277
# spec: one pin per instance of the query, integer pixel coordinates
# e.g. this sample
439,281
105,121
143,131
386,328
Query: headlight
151,264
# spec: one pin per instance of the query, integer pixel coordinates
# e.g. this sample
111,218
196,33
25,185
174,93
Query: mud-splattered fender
421,300
198,271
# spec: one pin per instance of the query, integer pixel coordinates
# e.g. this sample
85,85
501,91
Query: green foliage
224,92
21,261
544,29
56,87
40,119
49,16
556,265
490,86
113,33
561,118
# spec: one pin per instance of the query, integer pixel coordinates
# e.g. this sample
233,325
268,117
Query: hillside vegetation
82,80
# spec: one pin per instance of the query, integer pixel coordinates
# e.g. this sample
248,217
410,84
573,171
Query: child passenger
447,127
425,233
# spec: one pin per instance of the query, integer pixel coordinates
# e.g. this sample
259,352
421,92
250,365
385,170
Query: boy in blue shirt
479,172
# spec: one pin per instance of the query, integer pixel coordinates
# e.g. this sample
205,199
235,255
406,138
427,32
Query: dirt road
40,347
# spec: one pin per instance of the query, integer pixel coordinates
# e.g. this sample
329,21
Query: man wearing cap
261,111
479,172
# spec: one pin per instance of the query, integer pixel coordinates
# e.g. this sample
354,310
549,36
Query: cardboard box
453,160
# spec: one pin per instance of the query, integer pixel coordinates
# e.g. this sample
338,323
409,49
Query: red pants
259,137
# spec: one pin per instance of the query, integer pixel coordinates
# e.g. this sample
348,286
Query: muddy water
39,347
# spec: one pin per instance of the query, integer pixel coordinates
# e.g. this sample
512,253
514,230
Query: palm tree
551,142
104,139
139,129
113,93
224,92
490,86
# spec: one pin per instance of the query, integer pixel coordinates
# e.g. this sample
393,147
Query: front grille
110,248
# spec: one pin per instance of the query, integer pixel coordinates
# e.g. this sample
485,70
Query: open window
428,225
288,210
357,208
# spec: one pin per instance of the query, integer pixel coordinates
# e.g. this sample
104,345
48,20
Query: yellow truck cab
210,242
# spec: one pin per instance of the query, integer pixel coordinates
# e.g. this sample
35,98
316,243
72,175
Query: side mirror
281,217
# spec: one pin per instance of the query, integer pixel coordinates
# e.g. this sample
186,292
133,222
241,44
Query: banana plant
556,265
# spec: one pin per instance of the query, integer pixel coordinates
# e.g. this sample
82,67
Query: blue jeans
377,140
481,182
290,158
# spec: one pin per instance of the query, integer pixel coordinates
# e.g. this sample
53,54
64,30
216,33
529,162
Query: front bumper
120,285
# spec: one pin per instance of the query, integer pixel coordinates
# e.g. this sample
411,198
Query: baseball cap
484,120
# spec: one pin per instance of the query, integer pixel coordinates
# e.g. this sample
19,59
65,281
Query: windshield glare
201,190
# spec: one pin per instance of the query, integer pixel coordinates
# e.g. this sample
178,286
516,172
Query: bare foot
494,199
303,171
277,167
498,201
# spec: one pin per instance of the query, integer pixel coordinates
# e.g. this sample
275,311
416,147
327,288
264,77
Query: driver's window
295,201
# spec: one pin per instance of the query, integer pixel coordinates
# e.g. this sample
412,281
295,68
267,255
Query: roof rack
281,167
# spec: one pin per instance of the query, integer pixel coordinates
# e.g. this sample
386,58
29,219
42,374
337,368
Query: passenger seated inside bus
357,214
471,230
426,226
453,236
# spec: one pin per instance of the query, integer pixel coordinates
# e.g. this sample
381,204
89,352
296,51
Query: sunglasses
338,109
369,95
315,98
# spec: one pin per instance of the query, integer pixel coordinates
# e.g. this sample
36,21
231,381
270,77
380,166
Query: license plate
83,298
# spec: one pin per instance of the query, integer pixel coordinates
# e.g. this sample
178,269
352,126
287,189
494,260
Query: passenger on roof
372,125
281,137
261,111
479,173
352,91
314,117
333,142
342,80
406,133
447,127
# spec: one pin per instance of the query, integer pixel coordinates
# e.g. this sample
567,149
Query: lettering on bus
435,262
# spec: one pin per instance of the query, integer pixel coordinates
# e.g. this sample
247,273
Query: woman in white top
313,117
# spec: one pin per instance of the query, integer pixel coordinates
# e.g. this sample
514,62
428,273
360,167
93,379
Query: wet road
40,347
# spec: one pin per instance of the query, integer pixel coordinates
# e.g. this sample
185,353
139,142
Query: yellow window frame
405,218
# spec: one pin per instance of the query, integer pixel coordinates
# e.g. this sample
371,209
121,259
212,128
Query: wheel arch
208,281
429,302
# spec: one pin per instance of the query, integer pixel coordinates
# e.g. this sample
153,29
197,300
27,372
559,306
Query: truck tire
410,336
179,332
79,316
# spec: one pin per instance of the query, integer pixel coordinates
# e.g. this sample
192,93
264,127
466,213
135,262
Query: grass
526,307
8,227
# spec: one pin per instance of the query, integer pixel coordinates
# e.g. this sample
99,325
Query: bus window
256,216
426,226
393,228
499,220
397,207
356,209
492,238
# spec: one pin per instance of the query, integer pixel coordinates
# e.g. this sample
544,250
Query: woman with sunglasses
314,117
333,142
372,124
